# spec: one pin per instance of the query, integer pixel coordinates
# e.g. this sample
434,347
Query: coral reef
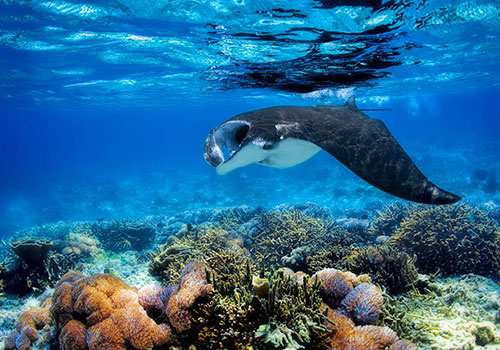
350,320
451,313
192,285
363,303
104,311
80,244
213,244
121,235
347,336
235,317
36,267
387,266
388,220
455,239
280,232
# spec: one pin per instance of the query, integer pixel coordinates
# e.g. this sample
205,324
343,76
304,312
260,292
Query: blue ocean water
105,105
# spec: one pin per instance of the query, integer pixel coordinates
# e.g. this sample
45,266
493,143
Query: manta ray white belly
283,154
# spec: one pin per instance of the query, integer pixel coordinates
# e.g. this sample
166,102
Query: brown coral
193,284
347,336
72,336
111,310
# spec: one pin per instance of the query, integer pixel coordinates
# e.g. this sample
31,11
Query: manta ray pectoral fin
368,148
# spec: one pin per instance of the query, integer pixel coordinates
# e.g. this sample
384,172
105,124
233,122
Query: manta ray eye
240,133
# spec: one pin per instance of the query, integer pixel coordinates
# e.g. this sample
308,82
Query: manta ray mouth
224,141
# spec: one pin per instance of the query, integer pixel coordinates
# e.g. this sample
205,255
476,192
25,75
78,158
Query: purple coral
363,303
334,283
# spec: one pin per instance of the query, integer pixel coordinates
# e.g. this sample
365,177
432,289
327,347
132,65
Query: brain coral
452,239
363,303
336,284
111,315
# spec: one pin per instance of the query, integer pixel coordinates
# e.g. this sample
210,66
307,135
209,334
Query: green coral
234,317
280,232
387,266
389,219
212,244
453,239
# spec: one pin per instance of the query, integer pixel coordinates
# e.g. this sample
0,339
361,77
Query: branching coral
455,239
212,244
280,232
388,220
387,266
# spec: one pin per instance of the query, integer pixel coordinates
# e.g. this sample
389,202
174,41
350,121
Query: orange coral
113,315
347,336
192,284
27,325
72,336
156,297
335,284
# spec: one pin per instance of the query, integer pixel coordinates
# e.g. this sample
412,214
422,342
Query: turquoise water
106,105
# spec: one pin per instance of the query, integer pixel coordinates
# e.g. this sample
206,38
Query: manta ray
285,136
